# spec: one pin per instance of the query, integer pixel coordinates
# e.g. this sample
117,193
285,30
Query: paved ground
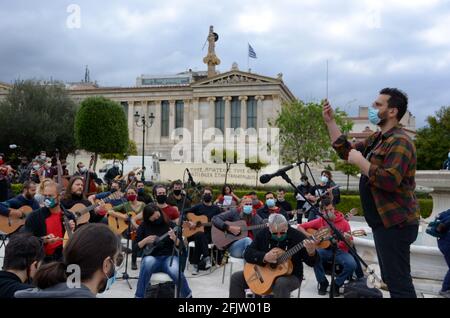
209,284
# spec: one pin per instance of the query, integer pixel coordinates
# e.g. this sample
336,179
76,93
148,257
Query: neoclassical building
234,99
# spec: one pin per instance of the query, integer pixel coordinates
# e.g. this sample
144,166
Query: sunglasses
279,233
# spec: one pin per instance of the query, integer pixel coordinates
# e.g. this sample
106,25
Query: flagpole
248,58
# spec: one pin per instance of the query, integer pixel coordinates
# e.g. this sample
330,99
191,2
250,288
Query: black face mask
207,198
28,196
161,199
158,221
177,192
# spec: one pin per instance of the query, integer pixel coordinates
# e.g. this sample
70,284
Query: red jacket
340,223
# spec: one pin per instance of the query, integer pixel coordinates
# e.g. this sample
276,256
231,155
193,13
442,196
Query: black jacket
10,283
264,212
35,222
263,243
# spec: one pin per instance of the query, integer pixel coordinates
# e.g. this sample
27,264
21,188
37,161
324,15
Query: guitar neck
293,250
255,227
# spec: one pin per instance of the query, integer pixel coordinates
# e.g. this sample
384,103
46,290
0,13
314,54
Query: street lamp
141,121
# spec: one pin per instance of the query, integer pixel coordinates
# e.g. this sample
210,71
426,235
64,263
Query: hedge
347,201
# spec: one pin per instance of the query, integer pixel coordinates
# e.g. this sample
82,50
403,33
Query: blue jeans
158,264
344,259
444,247
237,249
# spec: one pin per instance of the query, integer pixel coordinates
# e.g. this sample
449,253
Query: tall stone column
211,113
227,121
171,117
131,125
259,111
243,100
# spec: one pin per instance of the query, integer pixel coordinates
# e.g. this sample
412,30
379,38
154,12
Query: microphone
190,179
267,177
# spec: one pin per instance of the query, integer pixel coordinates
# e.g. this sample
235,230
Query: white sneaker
207,263
445,294
195,271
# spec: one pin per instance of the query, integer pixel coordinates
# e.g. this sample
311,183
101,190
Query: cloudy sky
369,44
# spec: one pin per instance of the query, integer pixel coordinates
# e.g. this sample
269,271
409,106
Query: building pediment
236,78
4,87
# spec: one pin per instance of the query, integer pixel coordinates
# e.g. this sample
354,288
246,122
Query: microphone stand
336,235
179,234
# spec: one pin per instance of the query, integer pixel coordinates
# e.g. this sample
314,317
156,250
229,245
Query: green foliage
101,126
303,133
347,169
256,165
433,141
132,151
37,117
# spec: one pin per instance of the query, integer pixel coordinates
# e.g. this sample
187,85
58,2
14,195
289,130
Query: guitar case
359,289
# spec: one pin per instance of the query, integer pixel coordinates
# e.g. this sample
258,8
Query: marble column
171,117
243,100
259,112
227,120
211,111
131,125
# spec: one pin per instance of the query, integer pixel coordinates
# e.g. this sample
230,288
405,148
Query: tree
346,168
255,165
226,156
433,141
121,157
101,127
37,116
303,134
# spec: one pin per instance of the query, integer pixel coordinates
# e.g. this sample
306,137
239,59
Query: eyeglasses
279,233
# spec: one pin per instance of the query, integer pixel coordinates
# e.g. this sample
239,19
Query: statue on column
211,59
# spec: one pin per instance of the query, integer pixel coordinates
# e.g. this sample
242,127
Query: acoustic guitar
200,222
222,239
260,279
10,224
118,222
81,211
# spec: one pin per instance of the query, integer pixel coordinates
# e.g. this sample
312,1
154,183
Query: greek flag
251,52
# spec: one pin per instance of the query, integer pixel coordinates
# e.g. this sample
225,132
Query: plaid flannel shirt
391,174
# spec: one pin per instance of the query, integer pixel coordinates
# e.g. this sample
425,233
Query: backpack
442,217
161,290
359,289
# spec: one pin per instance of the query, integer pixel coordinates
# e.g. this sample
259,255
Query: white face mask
84,169
324,179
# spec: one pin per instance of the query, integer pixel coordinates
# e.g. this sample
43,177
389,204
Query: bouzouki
10,224
148,249
222,239
200,222
326,242
260,279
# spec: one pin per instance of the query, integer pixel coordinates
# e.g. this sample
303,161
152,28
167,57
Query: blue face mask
373,116
50,202
279,239
247,209
270,203
111,280
141,191
324,179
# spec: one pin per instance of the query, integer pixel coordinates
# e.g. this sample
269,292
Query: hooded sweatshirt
60,290
340,223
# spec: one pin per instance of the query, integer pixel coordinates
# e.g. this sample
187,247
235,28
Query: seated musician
23,255
102,195
157,224
92,251
260,252
227,190
160,193
257,203
122,211
244,212
74,195
142,195
9,207
202,239
282,203
343,257
270,207
47,223
177,197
